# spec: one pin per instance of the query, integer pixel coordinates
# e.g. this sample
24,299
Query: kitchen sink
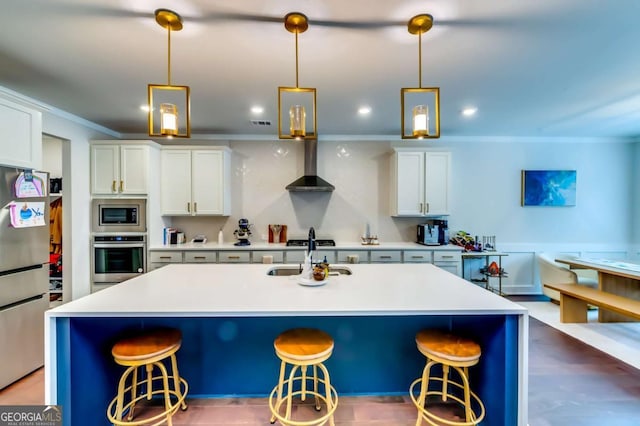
283,271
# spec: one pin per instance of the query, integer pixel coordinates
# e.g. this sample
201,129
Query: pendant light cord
296,58
420,59
169,56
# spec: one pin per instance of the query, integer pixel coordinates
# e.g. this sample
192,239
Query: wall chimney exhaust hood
310,182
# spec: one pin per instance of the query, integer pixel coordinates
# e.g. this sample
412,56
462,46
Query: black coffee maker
433,232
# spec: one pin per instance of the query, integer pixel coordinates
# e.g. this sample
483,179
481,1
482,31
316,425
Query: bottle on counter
220,237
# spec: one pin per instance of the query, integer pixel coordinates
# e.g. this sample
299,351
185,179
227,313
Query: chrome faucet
311,245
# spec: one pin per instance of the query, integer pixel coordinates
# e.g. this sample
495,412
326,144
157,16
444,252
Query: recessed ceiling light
469,111
364,110
257,110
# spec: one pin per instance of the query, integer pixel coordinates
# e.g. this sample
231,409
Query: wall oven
119,215
117,258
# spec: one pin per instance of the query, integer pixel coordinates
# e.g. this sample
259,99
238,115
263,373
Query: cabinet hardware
121,185
447,257
188,207
234,257
113,186
427,207
165,257
421,209
200,257
195,207
385,257
417,257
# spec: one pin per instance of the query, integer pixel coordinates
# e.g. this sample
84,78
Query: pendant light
295,104
420,105
169,105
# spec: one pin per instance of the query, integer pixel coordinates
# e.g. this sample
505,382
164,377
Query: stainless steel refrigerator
24,254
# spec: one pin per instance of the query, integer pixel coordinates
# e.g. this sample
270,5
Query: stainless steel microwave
119,215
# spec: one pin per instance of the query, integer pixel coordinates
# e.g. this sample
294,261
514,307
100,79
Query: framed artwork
555,188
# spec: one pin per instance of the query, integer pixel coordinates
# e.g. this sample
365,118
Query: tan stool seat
303,344
301,348
446,346
147,350
450,352
150,345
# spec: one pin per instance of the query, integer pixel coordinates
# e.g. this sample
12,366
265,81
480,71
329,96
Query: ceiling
540,68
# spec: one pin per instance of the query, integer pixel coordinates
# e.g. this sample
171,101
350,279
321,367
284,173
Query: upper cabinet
21,138
420,182
195,181
119,167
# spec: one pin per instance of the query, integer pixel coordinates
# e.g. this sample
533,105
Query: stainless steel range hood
310,182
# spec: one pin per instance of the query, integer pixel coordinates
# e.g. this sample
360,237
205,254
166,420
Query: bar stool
451,352
147,350
301,348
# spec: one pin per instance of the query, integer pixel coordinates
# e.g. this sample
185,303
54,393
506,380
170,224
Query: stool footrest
436,420
179,394
275,407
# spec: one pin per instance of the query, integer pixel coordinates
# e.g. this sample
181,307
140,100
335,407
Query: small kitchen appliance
434,232
242,233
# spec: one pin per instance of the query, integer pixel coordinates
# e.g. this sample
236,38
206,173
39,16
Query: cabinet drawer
295,256
353,256
233,257
200,257
277,256
447,256
165,257
419,256
381,256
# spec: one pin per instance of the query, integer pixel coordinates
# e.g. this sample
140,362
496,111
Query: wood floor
570,383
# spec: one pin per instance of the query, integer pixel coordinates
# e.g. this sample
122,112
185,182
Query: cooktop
304,243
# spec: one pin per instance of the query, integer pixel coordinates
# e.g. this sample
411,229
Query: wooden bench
574,299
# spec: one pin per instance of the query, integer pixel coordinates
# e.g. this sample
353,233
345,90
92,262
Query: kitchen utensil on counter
282,234
242,233
275,233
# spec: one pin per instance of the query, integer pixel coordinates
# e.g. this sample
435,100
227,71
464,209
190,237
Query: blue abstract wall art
556,188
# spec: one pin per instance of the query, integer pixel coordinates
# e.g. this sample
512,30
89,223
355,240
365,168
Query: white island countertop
246,290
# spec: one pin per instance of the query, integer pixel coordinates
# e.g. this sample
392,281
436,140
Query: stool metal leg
120,397
292,375
176,380
134,387
424,388
445,381
165,384
303,394
327,385
149,381
315,387
280,385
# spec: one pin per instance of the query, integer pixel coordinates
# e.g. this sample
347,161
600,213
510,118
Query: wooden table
616,277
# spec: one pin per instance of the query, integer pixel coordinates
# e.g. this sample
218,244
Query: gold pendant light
169,105
295,102
420,105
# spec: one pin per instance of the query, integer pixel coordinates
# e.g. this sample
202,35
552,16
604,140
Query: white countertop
246,290
283,246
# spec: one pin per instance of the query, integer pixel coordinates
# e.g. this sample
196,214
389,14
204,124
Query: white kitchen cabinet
448,260
417,256
195,182
386,256
119,168
420,182
265,256
21,139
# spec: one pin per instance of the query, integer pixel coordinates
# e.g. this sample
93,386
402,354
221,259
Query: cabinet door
133,169
410,183
207,182
105,169
21,141
175,182
436,183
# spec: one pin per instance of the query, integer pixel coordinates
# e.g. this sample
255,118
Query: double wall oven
119,247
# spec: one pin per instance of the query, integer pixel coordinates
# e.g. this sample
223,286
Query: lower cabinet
449,260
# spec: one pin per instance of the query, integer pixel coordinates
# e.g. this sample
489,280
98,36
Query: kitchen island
230,314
